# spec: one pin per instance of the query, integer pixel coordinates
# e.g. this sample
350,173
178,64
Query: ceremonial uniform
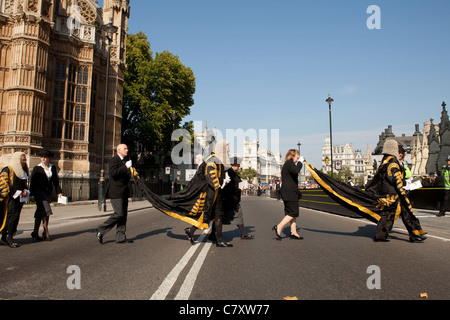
388,186
196,203
383,200
6,184
19,185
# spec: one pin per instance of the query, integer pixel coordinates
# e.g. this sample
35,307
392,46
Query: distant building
406,141
426,152
343,156
439,143
266,163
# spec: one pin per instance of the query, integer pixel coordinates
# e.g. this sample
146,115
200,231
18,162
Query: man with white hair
18,171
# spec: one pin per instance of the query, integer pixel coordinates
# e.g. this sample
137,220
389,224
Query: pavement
79,210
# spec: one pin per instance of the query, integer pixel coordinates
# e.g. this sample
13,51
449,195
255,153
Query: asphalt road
336,261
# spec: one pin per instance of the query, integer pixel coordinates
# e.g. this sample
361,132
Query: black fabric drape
362,203
193,204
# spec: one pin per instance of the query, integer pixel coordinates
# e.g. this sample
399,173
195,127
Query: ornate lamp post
329,101
110,29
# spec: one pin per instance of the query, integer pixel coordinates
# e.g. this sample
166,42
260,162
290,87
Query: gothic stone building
426,152
53,62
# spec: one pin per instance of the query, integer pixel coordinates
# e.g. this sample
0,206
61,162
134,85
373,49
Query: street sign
338,165
190,173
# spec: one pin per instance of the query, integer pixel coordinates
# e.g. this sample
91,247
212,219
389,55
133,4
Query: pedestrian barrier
423,198
317,199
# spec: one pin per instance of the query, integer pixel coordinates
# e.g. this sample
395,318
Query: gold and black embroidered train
194,203
382,202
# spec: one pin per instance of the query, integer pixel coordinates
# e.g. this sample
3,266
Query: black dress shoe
276,232
35,237
417,239
99,236
188,233
125,241
223,244
11,243
293,236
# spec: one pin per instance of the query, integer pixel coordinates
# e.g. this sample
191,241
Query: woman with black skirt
290,193
43,179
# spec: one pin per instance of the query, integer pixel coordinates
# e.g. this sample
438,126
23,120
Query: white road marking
188,284
172,277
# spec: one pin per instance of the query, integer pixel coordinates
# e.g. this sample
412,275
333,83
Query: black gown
383,200
194,203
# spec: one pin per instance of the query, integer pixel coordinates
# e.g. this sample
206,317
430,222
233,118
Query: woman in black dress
43,179
290,193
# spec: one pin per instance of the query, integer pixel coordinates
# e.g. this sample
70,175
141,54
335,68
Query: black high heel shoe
189,235
276,232
293,236
46,238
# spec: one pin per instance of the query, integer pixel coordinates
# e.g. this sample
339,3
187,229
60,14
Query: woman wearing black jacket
290,193
43,179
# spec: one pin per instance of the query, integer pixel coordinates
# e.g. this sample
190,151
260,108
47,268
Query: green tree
247,174
158,94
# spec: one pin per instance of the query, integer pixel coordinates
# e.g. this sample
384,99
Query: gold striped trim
321,202
329,189
197,223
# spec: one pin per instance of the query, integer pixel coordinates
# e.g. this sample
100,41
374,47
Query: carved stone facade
426,152
53,60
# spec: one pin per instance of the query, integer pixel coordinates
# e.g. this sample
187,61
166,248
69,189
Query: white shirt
49,172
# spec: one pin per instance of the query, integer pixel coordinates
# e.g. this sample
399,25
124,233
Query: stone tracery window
87,12
33,5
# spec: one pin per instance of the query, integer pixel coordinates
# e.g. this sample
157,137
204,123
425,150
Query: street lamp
298,145
174,117
329,101
109,29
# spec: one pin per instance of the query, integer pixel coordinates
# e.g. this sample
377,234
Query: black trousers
118,219
445,203
410,221
12,219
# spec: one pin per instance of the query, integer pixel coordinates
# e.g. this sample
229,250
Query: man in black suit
119,177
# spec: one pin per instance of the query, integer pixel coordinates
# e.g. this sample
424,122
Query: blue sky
263,64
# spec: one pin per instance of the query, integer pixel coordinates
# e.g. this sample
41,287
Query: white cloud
348,90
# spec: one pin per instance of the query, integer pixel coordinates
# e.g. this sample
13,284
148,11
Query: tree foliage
247,174
158,94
